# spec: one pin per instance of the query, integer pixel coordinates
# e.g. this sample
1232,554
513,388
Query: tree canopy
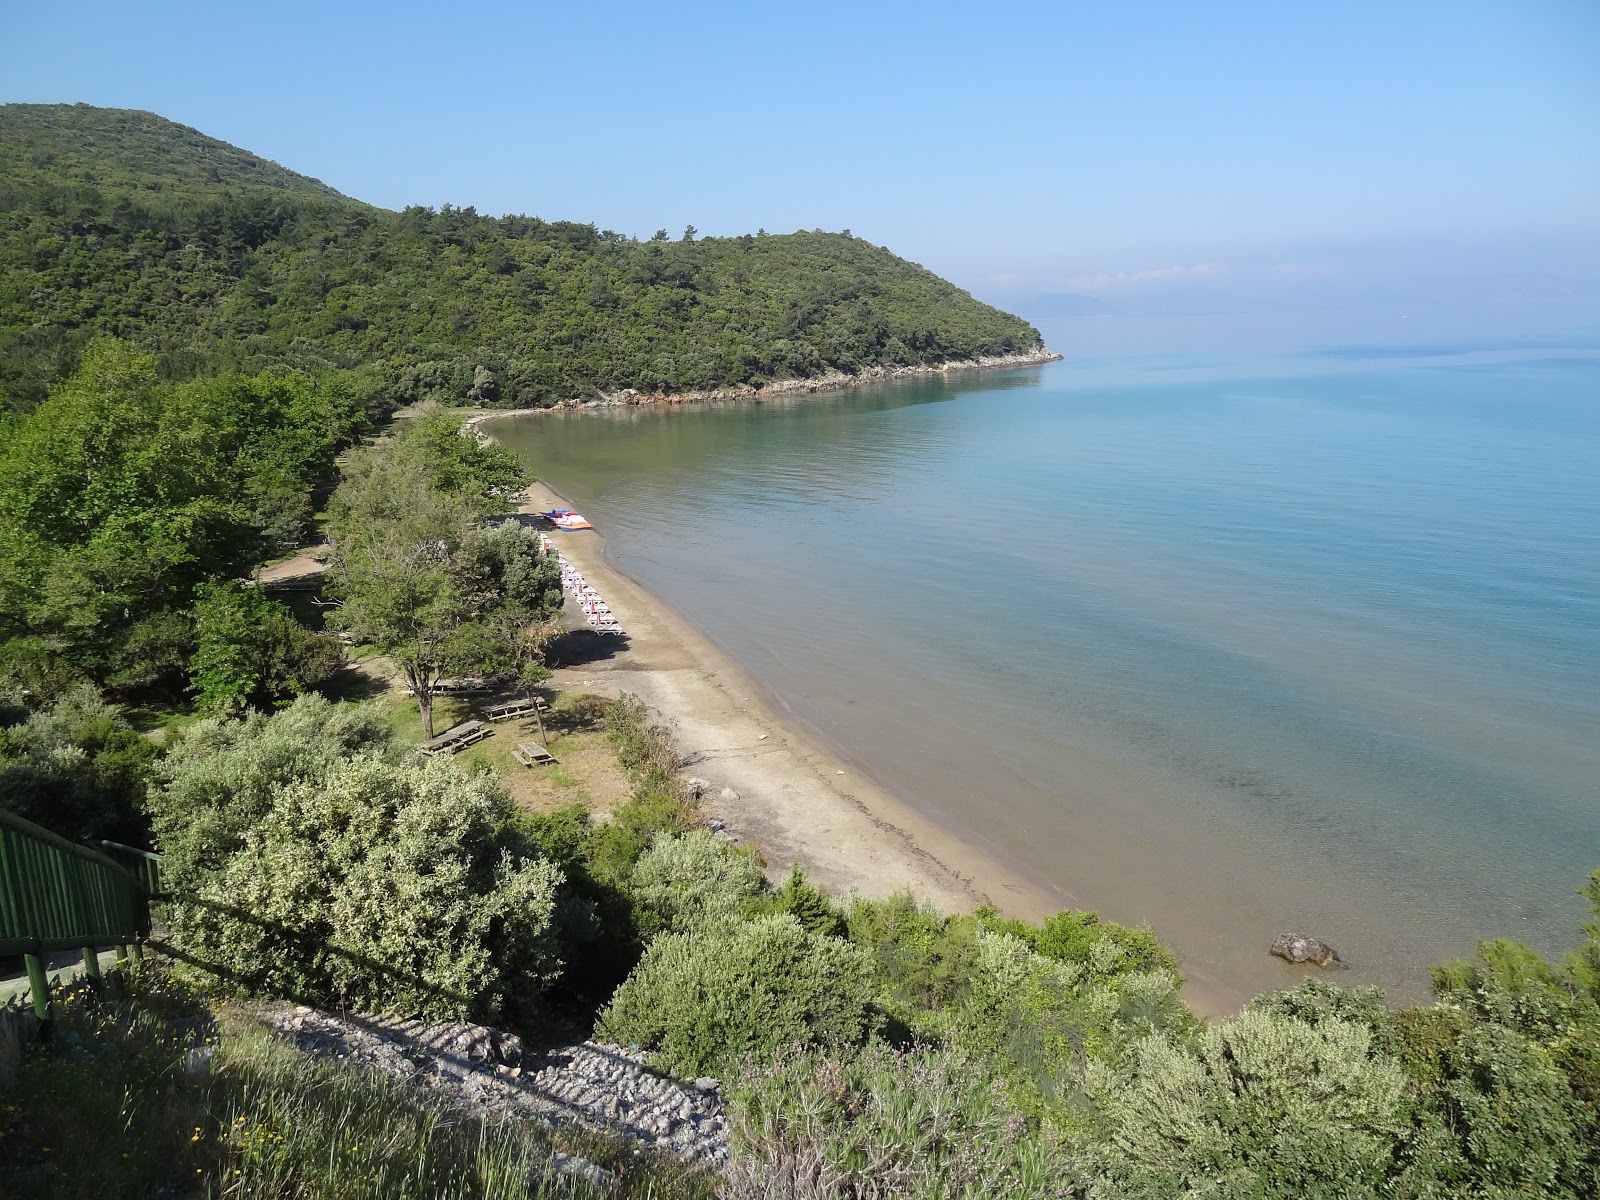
215,261
420,577
122,494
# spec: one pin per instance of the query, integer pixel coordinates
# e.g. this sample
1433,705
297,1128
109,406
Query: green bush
223,777
645,750
1262,1105
688,880
808,904
922,958
928,1124
620,842
1039,1021
1072,936
659,803
386,888
77,768
704,1000
249,649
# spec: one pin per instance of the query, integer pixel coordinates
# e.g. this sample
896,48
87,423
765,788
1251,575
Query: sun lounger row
595,610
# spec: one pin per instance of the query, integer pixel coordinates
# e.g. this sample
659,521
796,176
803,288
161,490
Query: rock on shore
1298,948
599,1087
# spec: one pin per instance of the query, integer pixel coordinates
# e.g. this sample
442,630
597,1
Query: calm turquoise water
1294,633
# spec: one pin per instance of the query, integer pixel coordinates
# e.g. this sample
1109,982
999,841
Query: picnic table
531,754
454,687
512,709
455,739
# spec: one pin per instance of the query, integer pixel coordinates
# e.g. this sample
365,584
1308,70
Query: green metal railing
56,895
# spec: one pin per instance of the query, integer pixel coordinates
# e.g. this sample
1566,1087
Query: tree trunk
422,689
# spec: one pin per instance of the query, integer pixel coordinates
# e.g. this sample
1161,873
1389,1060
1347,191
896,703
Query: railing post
137,951
91,966
40,987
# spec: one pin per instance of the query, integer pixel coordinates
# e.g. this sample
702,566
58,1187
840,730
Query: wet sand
797,801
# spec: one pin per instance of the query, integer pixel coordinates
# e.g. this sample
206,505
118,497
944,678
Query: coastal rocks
696,787
491,1073
1298,948
728,796
826,382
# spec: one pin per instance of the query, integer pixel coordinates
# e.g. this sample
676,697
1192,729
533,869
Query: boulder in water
1298,948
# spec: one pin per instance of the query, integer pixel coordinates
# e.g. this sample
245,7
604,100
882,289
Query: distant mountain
120,222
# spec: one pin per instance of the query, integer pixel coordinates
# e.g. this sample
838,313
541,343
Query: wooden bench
531,754
512,709
455,739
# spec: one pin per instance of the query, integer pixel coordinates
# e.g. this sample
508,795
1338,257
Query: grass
120,1104
159,722
587,772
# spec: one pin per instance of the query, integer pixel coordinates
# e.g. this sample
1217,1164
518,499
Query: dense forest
215,261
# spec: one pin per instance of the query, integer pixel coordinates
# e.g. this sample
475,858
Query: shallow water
1299,633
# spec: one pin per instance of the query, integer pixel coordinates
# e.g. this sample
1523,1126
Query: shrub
386,888
77,768
249,649
928,1123
808,904
1039,1020
690,879
645,751
1072,936
1263,1105
618,844
922,958
705,999
222,777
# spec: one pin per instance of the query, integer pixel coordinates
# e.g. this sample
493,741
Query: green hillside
214,260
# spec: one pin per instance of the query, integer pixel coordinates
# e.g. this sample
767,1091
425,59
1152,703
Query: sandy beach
797,801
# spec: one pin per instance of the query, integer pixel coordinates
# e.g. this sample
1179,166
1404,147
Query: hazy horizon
1152,159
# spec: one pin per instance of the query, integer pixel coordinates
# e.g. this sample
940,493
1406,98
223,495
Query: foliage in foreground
925,1122
372,881
125,1104
1320,1093
703,999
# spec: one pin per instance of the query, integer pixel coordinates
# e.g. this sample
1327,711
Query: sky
1145,156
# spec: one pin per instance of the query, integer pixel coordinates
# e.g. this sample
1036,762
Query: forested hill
123,223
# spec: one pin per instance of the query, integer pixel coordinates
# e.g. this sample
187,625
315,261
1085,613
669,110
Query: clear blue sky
1107,149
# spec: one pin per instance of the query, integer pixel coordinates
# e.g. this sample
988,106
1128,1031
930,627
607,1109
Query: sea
1233,625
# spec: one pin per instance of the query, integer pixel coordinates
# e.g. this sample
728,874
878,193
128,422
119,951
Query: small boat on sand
565,518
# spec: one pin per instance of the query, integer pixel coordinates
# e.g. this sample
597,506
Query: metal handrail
58,895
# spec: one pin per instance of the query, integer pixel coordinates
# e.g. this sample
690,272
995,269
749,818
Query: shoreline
794,797
832,381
